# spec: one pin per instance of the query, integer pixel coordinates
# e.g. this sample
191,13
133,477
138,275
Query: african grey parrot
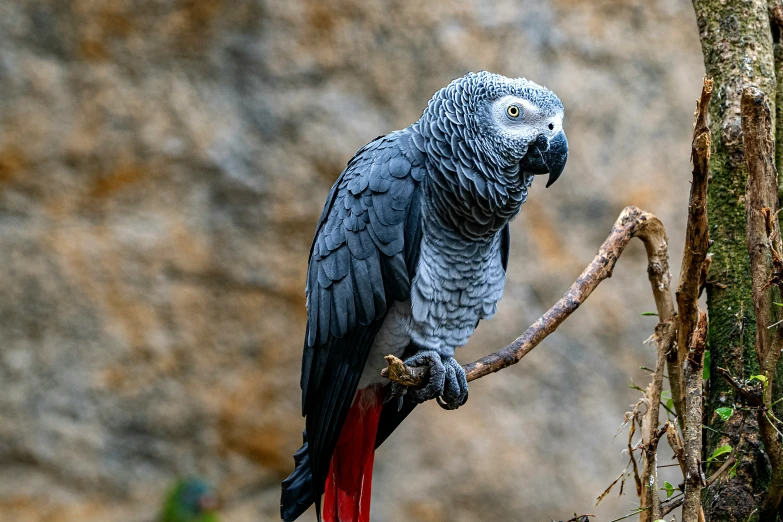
409,254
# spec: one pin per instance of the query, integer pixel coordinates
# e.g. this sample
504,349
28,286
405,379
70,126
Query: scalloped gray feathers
476,187
363,257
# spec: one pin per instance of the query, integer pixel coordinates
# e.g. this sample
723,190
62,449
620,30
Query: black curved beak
547,156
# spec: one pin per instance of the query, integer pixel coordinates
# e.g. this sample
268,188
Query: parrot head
190,500
511,123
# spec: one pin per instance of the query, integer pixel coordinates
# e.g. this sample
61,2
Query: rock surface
162,167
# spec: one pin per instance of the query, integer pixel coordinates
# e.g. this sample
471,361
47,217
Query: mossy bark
738,51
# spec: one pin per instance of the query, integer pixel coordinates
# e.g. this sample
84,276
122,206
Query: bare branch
650,496
671,506
694,478
721,470
760,196
749,394
633,222
675,442
765,251
664,335
609,489
697,241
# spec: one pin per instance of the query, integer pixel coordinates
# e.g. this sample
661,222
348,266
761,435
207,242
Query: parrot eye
513,111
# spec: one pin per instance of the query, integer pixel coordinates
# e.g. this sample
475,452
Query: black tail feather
298,487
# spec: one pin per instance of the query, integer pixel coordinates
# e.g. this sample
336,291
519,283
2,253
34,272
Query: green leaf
724,413
719,451
647,314
707,359
778,304
733,470
669,489
761,378
666,397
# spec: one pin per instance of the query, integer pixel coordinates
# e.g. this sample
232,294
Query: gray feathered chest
458,282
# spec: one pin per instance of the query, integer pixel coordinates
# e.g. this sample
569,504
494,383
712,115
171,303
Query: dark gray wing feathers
363,257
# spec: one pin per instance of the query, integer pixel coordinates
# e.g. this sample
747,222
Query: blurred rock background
162,167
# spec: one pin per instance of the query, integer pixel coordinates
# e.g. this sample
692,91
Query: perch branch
633,222
766,267
694,254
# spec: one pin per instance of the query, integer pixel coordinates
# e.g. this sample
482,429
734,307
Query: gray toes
436,379
455,390
434,385
447,382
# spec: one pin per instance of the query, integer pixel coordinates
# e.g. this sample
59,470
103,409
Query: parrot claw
455,391
397,393
447,381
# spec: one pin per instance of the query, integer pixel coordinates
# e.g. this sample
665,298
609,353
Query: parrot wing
363,258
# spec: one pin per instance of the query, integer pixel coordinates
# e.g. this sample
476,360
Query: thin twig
773,425
751,395
668,409
629,515
675,443
671,506
732,456
721,470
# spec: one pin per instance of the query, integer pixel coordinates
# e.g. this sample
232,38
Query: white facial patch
530,123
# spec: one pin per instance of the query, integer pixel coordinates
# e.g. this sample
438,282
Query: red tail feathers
349,483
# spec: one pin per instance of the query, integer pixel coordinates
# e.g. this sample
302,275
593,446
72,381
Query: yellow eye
513,111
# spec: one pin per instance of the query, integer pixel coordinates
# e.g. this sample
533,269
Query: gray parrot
410,253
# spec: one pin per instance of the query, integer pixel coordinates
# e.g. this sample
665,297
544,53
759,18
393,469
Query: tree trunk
737,44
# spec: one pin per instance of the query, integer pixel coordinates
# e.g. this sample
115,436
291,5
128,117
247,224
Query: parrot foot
447,382
455,390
